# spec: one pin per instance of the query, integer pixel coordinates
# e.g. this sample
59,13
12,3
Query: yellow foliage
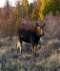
41,8
25,6
38,11
42,5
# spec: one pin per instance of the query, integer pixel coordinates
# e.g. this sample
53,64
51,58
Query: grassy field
48,58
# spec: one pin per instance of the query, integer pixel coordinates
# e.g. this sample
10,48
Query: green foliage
52,6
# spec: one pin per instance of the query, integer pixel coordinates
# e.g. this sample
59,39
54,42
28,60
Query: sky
12,2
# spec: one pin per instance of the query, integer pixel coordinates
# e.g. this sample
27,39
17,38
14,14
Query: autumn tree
43,7
48,6
25,8
21,11
7,9
17,14
35,11
31,7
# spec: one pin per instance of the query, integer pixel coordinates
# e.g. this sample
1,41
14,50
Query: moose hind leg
19,47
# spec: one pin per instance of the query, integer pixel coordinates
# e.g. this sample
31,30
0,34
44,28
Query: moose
30,34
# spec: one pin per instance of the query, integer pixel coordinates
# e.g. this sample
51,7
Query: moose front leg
40,43
34,48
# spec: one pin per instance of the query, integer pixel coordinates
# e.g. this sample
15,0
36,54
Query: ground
47,59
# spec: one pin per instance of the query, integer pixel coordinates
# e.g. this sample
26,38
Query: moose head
39,28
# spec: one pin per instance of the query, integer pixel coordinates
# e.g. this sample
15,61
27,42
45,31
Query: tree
21,11
25,8
39,6
43,7
51,6
31,7
18,15
34,12
7,9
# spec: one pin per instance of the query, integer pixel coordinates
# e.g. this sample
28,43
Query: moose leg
34,49
19,47
40,42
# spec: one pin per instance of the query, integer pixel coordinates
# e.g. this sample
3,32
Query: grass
48,60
